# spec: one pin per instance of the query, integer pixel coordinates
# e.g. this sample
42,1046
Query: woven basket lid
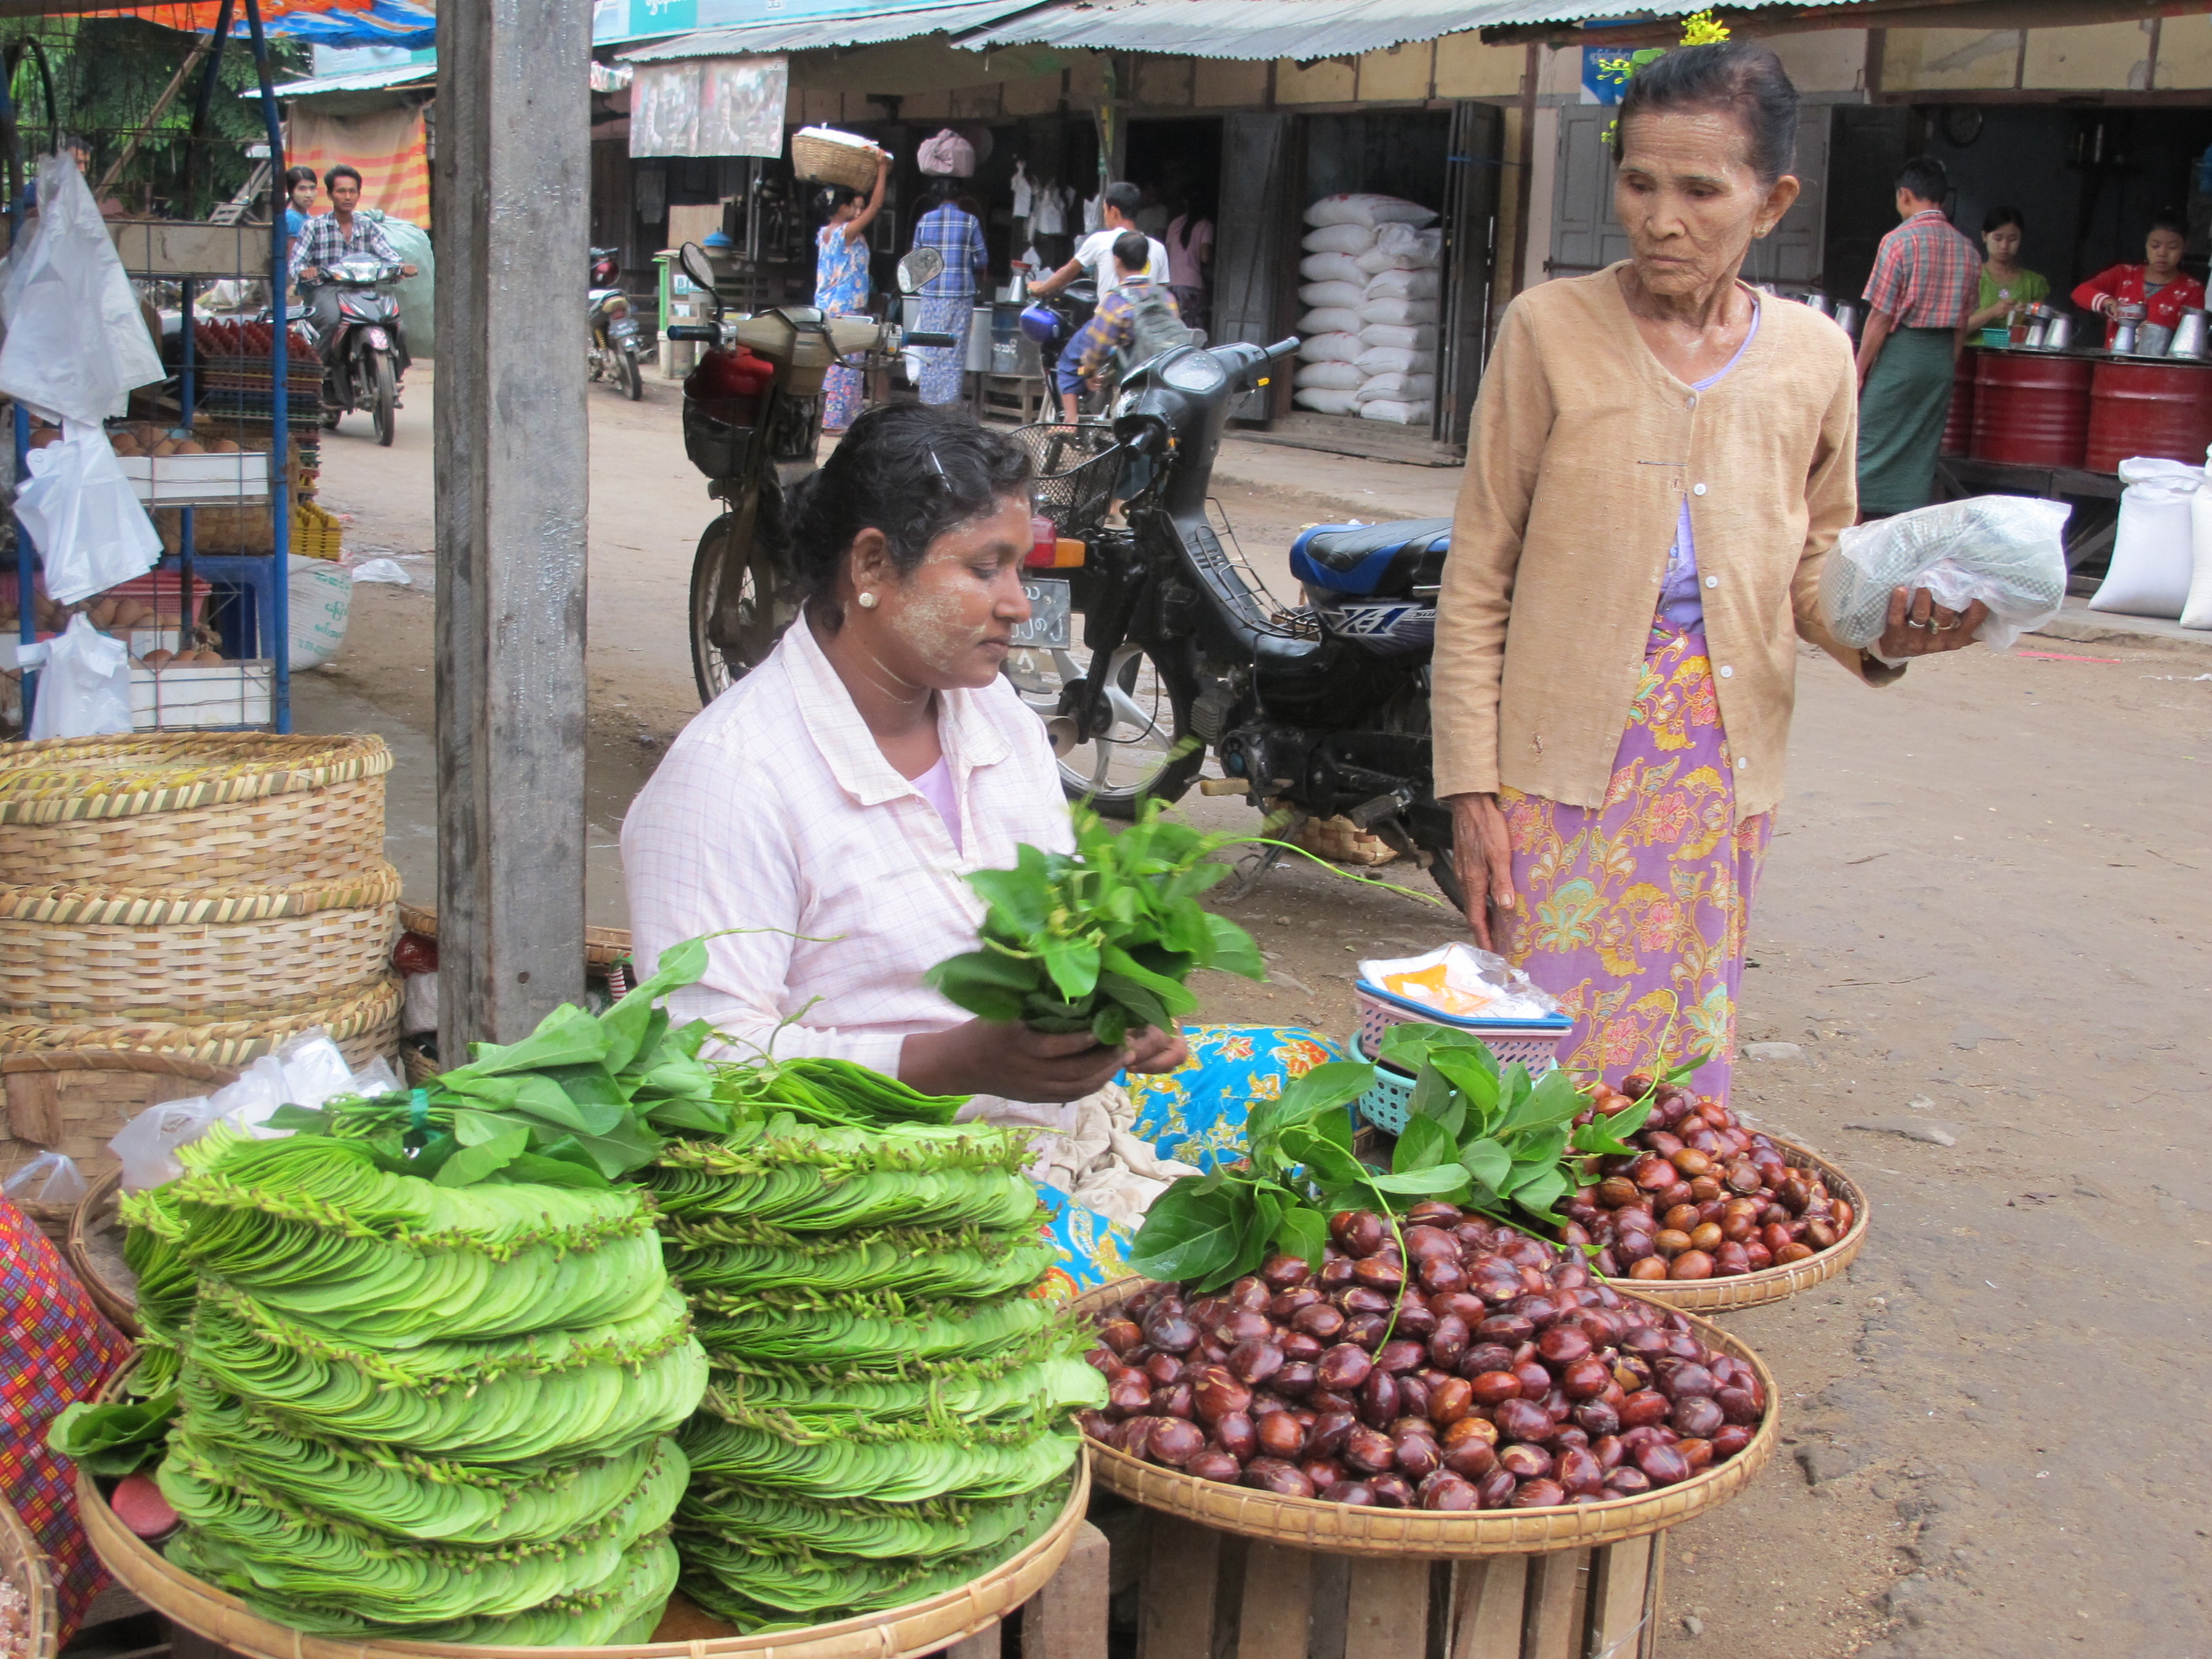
65,779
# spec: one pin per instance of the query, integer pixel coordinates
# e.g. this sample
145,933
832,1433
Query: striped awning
319,22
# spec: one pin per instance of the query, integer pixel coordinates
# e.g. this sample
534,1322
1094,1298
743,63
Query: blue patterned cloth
1195,1115
840,290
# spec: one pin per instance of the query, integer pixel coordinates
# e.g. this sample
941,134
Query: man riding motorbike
330,237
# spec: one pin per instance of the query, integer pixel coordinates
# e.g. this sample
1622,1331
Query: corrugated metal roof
375,80
840,26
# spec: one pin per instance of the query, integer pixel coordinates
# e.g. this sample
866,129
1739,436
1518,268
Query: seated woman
831,804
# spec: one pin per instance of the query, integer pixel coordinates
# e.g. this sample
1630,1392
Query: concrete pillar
512,210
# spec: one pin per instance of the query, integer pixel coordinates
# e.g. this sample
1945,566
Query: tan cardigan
1582,448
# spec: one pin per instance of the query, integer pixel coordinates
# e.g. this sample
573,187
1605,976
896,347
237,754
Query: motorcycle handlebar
692,331
915,337
1282,349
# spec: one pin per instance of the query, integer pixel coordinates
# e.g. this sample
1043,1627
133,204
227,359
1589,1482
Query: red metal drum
2150,408
2031,409
1959,425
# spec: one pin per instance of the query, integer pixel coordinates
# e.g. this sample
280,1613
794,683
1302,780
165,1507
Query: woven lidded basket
24,1569
74,1100
191,810
819,161
1768,1284
1357,1529
365,1025
98,956
919,1627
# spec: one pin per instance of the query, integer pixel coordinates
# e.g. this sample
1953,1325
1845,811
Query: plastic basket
1386,1105
316,534
718,433
1533,1042
1075,467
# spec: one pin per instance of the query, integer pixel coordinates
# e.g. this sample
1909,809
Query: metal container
1847,317
2058,334
2031,409
1958,424
2123,339
1820,302
2190,338
2148,409
2034,340
2152,338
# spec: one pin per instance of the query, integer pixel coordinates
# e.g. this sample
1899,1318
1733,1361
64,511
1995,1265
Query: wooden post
513,198
1067,1619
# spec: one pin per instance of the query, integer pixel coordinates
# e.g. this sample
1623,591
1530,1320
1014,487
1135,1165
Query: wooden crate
1208,1595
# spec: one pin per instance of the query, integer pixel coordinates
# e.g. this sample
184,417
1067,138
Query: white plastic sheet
84,682
88,525
77,343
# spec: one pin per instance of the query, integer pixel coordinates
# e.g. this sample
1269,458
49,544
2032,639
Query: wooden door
1249,267
1470,225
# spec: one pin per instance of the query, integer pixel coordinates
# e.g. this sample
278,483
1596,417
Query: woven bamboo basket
919,1628
1354,1530
819,161
602,947
191,810
365,1025
73,1101
94,1249
74,955
23,1566
1768,1284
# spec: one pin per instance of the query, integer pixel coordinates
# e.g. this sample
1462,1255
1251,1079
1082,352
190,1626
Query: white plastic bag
1329,377
382,570
418,1003
1401,387
1398,311
947,155
1361,208
1331,319
2154,556
147,1146
88,525
1324,401
1397,413
1475,984
320,601
84,682
77,341
1339,239
49,1178
1413,336
2008,551
1331,268
1395,360
2197,612
1347,296
1330,347
1397,283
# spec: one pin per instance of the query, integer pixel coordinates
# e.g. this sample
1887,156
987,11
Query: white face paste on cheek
938,622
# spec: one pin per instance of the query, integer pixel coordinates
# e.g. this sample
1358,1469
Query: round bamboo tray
1356,1530
919,1628
824,161
72,1101
1768,1284
70,955
602,947
364,1024
190,811
23,1565
91,1225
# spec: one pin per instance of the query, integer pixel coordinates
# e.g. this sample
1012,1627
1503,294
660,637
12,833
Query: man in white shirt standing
1096,254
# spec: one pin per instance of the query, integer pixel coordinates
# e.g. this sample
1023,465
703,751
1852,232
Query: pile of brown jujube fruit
1504,1375
1705,1199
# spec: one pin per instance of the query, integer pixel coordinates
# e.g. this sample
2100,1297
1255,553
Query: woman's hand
986,1057
1482,854
2110,305
1151,1050
1918,626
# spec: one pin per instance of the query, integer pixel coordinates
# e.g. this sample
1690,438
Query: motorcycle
1313,710
366,355
1052,322
751,427
611,327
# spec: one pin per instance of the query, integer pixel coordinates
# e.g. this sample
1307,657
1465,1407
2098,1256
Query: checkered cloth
955,234
1926,274
55,1349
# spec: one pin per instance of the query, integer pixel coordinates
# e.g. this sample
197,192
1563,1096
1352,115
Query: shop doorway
1178,164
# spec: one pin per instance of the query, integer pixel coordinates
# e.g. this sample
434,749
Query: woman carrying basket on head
841,284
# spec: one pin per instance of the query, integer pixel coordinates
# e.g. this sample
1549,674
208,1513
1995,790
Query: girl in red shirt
2159,284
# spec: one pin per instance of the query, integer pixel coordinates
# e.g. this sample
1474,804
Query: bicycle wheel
1147,751
730,640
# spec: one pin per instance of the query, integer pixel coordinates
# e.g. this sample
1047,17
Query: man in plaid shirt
1926,278
334,236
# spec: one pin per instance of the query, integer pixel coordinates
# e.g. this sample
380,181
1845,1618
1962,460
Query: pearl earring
868,602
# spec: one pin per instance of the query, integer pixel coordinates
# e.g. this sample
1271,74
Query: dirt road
1982,940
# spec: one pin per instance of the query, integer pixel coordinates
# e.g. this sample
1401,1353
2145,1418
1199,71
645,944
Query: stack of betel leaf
413,1369
890,1411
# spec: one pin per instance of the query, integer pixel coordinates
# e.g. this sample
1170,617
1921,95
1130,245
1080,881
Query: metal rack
191,253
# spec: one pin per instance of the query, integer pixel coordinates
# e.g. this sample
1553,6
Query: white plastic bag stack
2153,550
1370,288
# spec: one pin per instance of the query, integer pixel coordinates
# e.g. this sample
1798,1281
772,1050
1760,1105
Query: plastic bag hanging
88,525
85,690
77,341
2008,551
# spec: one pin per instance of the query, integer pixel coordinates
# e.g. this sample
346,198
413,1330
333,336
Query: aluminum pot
2058,334
2190,337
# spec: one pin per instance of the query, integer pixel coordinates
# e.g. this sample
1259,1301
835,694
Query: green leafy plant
1101,939
114,1439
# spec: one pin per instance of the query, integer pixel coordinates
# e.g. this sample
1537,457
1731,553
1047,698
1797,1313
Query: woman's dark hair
906,470
1923,175
341,171
2172,219
1998,217
1740,76
836,196
298,176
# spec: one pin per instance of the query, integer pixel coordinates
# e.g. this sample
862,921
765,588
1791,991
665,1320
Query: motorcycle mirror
922,265
698,268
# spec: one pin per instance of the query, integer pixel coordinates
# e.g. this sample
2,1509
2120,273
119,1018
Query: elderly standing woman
1661,459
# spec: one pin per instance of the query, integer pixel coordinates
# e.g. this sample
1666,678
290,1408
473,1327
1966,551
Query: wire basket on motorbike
1076,468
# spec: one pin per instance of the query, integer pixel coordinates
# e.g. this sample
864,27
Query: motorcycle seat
1384,560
